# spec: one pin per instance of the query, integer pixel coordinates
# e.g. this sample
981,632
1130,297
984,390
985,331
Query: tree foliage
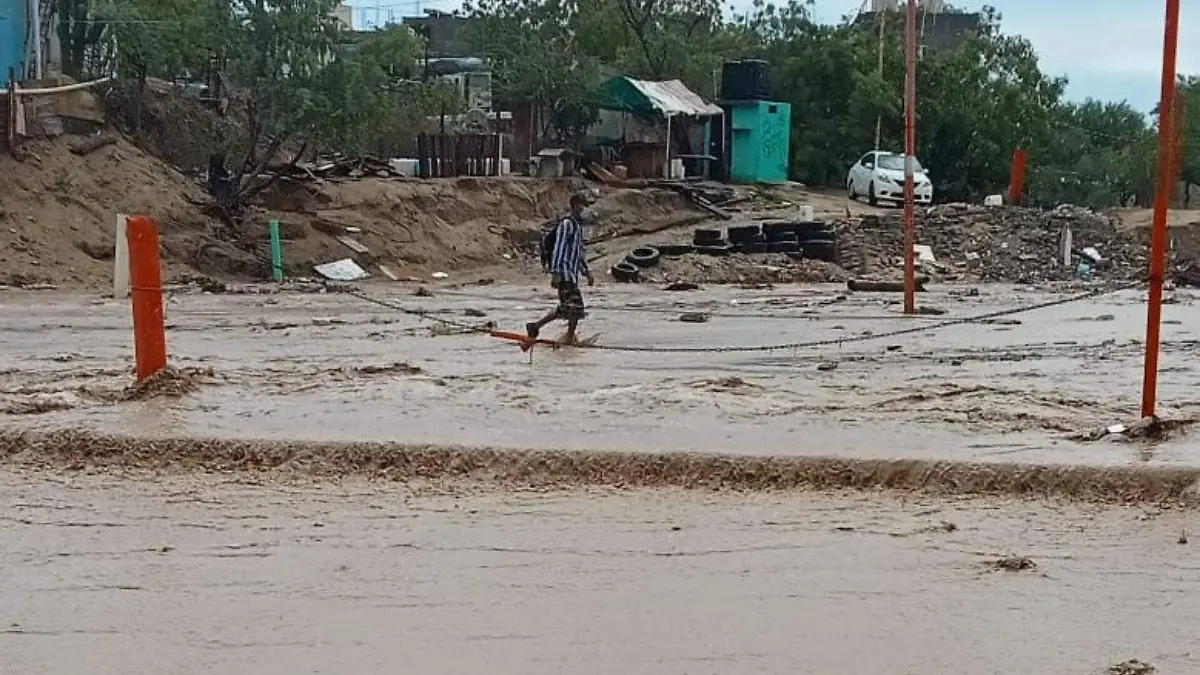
979,100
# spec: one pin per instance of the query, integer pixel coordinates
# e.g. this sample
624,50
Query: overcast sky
1110,49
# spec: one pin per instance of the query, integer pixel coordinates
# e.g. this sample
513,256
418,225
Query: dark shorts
570,301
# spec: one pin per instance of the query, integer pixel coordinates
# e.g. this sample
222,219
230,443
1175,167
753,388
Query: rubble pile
999,244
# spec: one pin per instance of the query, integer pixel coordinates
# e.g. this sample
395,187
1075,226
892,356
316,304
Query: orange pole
1020,159
1158,233
145,272
910,142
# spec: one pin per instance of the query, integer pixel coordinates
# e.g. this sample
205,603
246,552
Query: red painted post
1162,198
910,150
145,272
1020,160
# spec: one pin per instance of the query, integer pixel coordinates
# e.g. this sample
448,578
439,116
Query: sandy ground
333,367
105,574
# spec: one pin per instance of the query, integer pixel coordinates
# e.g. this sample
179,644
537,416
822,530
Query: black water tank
748,80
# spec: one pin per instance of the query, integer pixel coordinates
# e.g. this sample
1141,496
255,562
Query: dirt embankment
58,210
58,213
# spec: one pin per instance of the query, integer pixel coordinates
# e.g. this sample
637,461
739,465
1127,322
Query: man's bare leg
532,329
570,338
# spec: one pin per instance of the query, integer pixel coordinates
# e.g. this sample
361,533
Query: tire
644,256
744,234
871,195
814,229
774,230
707,237
673,250
783,247
757,247
715,249
820,249
625,272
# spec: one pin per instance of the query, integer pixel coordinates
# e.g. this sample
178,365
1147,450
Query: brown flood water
195,575
216,569
335,368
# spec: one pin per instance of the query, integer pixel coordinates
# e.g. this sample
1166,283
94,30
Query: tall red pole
145,271
1017,180
1162,200
910,150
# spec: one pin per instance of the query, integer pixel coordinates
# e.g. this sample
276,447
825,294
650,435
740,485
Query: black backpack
546,247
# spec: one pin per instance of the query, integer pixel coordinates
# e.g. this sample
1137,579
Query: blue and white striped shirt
569,261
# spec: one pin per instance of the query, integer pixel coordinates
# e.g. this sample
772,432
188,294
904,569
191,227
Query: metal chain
644,349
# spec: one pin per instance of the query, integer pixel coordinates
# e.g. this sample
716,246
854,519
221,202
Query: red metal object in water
146,291
1162,200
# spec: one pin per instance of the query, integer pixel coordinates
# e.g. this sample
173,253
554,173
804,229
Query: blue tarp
12,36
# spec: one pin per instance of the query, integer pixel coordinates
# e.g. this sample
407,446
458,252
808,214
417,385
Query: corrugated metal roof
672,97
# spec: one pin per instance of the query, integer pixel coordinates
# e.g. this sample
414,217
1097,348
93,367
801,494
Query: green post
276,253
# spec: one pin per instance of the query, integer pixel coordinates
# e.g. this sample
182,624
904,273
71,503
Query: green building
759,141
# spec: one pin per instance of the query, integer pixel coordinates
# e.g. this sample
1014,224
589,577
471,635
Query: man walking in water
568,263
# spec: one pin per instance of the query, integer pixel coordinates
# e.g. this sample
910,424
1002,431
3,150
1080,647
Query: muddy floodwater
335,367
232,518
192,575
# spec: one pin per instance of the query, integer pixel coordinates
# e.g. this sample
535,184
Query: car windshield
896,163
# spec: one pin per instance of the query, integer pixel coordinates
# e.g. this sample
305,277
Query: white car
879,176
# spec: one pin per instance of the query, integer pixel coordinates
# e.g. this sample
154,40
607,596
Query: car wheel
871,195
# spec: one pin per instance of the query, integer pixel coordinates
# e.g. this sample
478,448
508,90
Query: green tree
536,55
1190,135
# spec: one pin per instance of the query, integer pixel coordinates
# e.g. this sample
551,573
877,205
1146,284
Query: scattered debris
866,286
353,244
1013,564
827,366
440,275
398,368
694,317
170,382
1132,667
1001,244
1150,429
40,403
422,292
682,286
342,270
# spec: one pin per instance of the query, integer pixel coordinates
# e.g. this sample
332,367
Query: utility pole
881,19
1162,201
910,142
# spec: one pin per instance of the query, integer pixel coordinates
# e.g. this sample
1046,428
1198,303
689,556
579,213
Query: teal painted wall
760,136
12,37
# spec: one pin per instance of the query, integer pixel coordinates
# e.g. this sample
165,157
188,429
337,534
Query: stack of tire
710,241
630,269
747,239
797,238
